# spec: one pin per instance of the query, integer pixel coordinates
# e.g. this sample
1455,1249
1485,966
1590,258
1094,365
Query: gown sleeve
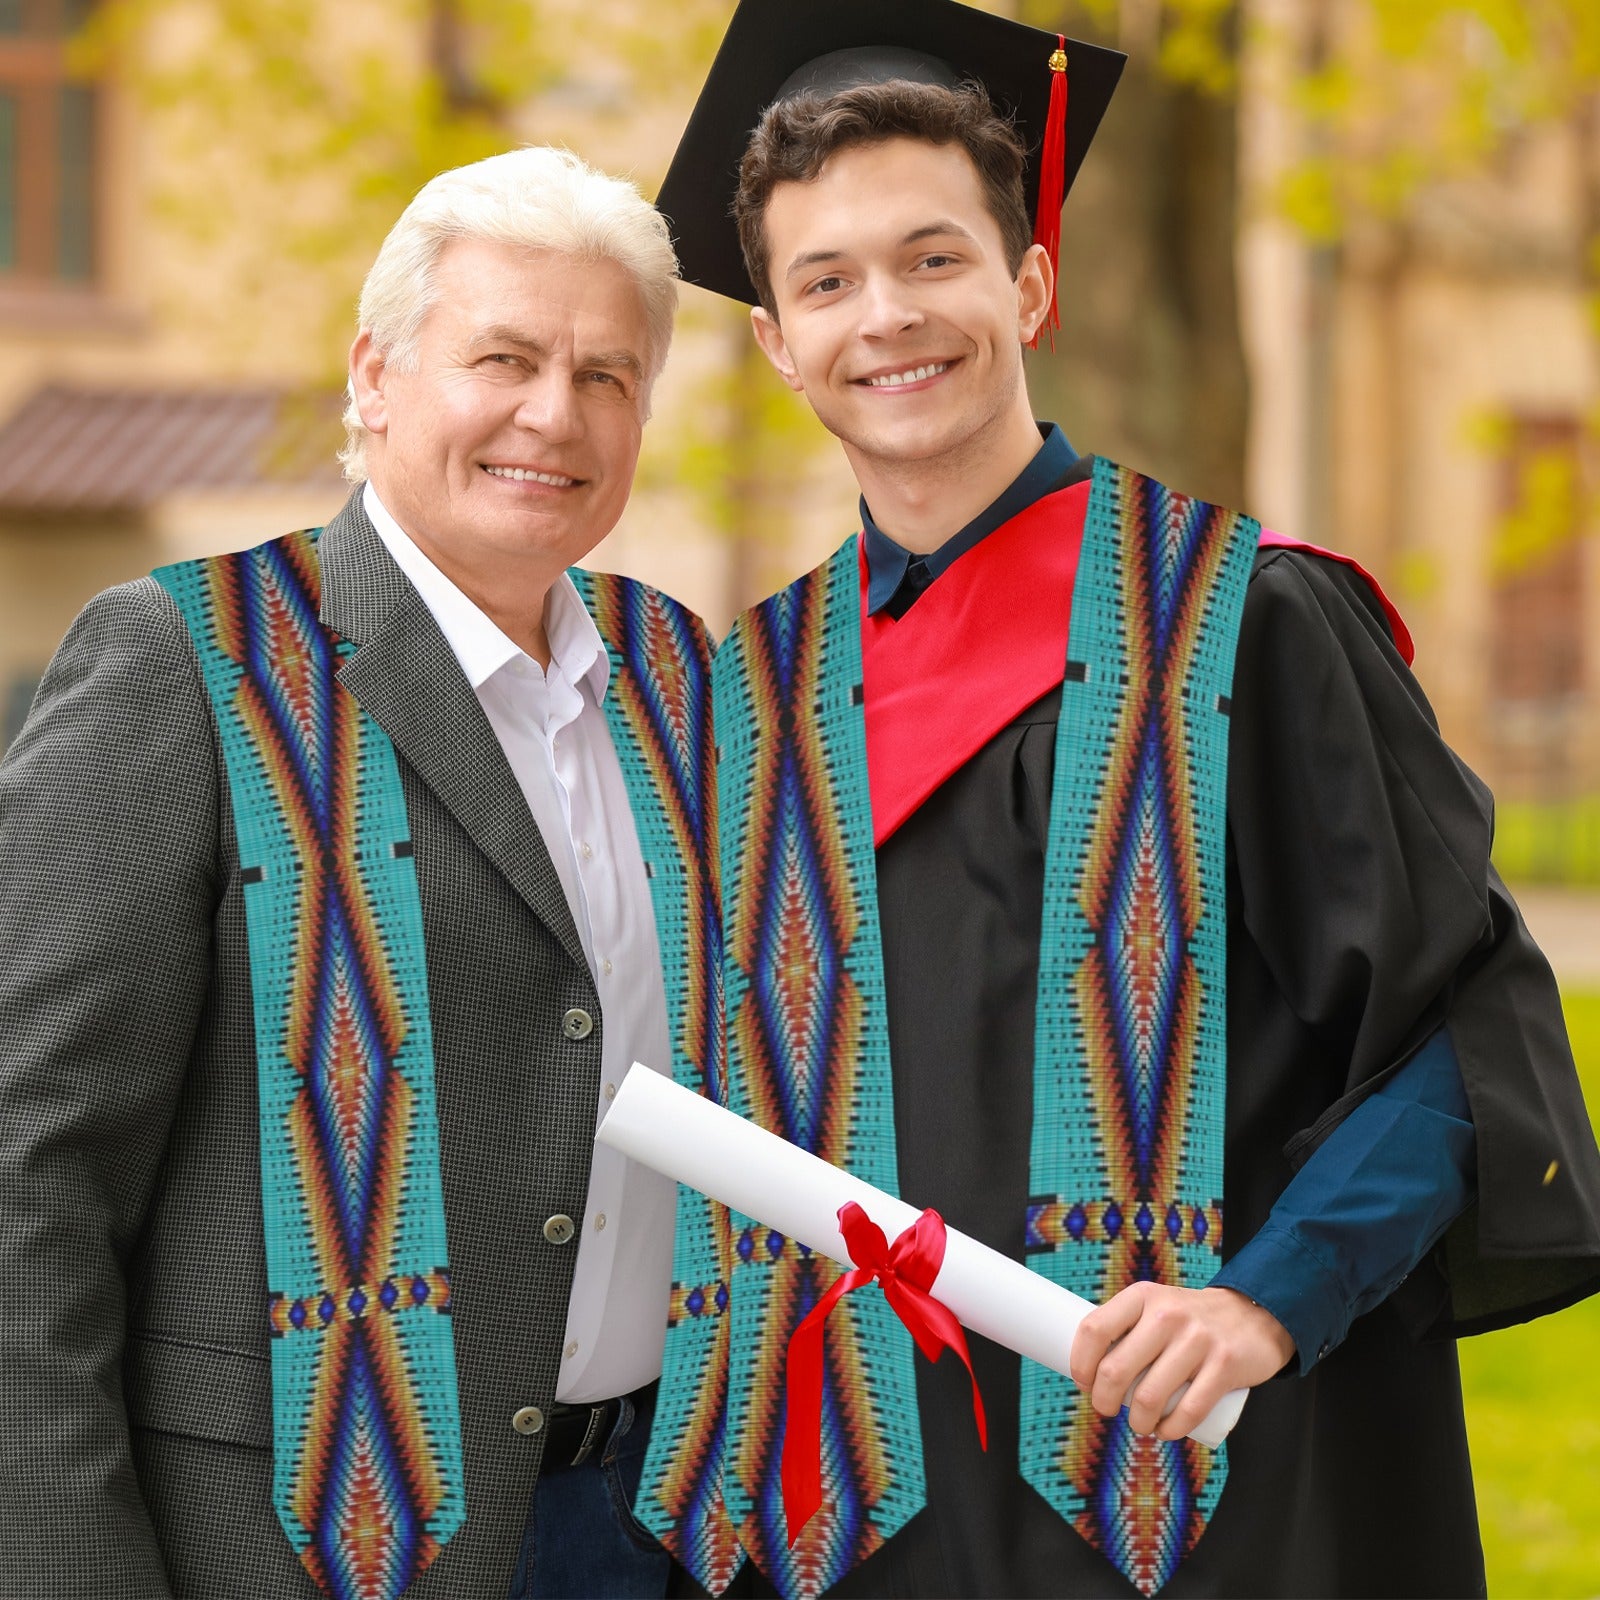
1360,847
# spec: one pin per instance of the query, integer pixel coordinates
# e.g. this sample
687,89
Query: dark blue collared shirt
1380,1191
1367,1206
895,575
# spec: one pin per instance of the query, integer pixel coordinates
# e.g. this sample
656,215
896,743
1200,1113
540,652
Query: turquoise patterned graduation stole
1130,1045
367,1469
658,707
367,1472
1126,1168
808,1057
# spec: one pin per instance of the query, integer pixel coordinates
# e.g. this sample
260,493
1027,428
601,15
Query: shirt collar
477,641
887,561
575,643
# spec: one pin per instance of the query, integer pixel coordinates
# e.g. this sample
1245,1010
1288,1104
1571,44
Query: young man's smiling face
513,438
898,315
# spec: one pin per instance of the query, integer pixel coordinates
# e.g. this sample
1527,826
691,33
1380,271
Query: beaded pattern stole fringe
658,708
1130,1046
367,1464
808,1057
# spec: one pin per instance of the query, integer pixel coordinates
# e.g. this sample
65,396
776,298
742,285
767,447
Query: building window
1540,633
1537,566
48,137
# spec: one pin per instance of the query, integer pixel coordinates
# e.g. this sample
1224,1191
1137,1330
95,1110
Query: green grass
1533,1415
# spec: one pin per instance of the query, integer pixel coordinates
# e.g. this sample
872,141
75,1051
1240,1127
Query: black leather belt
575,1433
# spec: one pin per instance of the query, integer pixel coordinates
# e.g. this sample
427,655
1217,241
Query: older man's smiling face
511,443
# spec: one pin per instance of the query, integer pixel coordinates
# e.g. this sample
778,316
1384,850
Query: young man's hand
1212,1339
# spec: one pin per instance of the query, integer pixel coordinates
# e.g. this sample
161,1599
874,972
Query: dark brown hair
796,137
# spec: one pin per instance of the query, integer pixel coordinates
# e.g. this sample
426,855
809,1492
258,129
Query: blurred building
1426,396
160,400
121,445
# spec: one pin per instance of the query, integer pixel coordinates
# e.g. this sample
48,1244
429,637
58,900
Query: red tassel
1052,183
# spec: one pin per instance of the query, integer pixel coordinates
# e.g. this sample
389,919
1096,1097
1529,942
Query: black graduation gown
1362,912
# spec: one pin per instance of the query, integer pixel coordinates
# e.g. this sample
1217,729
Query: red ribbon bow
906,1269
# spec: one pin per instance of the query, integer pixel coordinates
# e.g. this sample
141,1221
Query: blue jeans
583,1541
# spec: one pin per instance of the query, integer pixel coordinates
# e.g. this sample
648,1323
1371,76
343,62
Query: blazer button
559,1229
577,1024
530,1419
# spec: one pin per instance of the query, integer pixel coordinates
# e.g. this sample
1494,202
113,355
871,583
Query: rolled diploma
674,1131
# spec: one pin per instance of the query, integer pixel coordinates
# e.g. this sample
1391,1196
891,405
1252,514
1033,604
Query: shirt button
559,1229
577,1023
611,1091
530,1419
588,850
607,968
571,1350
600,1222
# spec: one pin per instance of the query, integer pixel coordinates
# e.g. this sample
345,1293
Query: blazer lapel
405,676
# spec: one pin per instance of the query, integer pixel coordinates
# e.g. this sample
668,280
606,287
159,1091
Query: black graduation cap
777,48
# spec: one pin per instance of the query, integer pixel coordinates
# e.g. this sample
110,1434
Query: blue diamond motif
1143,951
798,967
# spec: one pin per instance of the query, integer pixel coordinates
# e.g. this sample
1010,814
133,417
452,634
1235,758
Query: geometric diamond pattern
808,1059
1130,1039
367,1470
658,707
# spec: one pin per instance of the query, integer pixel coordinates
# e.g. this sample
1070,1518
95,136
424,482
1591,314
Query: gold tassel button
1058,62
1550,1173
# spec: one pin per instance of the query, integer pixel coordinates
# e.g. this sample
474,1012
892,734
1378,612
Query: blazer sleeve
108,864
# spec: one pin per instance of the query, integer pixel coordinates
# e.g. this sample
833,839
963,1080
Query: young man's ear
774,347
366,383
1036,283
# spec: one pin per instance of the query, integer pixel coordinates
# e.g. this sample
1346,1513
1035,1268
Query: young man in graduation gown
1093,867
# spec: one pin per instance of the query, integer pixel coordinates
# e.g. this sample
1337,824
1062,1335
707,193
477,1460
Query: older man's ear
367,368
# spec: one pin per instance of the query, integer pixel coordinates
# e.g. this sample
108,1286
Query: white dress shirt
551,726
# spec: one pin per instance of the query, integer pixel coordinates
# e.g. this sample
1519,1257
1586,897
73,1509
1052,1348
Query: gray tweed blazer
136,1444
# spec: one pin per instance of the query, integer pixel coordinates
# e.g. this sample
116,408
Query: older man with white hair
340,880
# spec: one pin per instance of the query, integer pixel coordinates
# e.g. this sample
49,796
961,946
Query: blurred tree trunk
1148,367
753,520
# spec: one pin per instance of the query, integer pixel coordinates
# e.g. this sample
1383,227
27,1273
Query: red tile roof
91,450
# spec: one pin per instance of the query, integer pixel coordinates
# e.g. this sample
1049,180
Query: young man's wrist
1277,1271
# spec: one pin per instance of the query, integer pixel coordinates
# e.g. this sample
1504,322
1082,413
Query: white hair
536,197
